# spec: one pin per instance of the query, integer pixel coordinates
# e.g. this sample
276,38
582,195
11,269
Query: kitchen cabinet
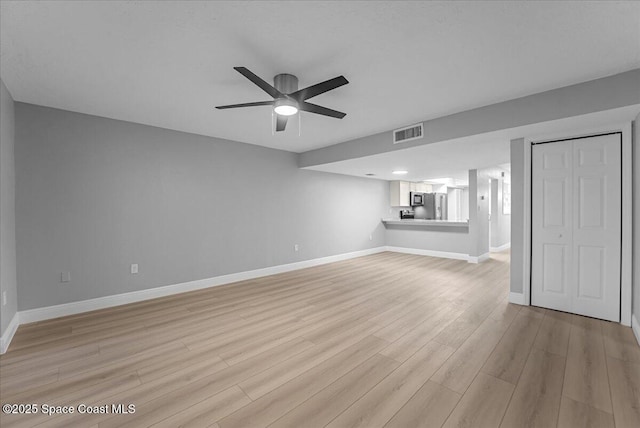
399,193
423,188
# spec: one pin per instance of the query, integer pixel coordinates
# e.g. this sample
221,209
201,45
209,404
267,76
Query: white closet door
597,198
551,228
576,226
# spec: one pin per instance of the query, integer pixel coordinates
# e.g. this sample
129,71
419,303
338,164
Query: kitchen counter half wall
426,223
437,238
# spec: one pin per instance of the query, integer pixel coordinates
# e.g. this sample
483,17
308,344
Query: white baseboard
635,326
516,298
49,312
500,248
443,254
5,340
481,258
432,253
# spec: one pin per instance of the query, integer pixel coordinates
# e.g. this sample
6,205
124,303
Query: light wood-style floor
389,340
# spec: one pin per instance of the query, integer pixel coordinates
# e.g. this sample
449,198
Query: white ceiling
169,63
453,158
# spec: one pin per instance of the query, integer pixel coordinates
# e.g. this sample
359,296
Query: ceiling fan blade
259,82
281,122
319,88
258,103
314,108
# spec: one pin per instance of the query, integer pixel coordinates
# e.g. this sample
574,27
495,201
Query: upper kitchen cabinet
399,193
423,188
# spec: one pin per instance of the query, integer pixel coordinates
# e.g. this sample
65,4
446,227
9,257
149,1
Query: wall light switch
134,268
370,237
65,277
296,247
4,298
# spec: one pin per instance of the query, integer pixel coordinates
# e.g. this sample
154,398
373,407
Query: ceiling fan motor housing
285,83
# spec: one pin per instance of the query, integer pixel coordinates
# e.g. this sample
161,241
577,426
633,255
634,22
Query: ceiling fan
288,99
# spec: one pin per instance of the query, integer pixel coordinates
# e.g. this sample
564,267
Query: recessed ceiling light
400,172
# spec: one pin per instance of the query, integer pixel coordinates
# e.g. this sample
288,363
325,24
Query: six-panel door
576,226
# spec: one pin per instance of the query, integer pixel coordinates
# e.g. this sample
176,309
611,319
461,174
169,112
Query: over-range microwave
416,198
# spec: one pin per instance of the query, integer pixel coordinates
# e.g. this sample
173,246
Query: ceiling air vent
409,133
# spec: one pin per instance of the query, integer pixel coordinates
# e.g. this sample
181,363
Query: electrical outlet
296,247
65,277
134,268
4,298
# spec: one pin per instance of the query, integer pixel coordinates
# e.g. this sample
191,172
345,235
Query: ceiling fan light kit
285,107
287,98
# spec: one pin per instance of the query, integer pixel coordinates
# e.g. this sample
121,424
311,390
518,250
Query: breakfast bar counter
410,222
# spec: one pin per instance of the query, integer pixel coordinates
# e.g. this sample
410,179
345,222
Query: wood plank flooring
387,340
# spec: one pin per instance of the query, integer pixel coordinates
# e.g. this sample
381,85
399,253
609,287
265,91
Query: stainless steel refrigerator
435,206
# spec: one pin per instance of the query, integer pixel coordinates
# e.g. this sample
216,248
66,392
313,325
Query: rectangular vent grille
409,133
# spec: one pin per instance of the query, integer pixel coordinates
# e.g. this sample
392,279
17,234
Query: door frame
627,215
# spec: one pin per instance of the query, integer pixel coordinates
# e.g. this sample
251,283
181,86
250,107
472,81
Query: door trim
627,216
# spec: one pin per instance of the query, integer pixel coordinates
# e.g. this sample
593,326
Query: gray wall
517,214
464,211
636,218
437,238
95,195
500,223
478,213
607,93
7,209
